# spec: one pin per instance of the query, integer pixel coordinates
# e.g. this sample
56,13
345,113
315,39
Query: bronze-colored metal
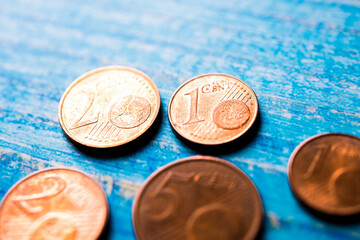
324,173
213,109
56,203
109,106
202,198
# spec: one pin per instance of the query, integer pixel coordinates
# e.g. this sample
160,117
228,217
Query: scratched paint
302,58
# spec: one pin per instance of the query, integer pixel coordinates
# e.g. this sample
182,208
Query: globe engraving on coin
231,114
109,106
131,112
324,173
213,109
200,198
56,203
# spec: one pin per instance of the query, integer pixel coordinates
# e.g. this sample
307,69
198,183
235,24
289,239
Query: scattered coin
324,173
55,203
202,198
213,109
109,106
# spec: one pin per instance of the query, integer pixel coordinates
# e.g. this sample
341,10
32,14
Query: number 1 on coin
193,117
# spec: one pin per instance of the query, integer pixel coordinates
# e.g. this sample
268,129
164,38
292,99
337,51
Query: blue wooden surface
301,57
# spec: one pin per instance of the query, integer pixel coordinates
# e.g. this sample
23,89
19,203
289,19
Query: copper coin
324,173
213,109
56,203
109,106
198,198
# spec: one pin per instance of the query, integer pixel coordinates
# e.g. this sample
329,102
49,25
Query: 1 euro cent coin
202,198
55,203
324,173
109,106
213,109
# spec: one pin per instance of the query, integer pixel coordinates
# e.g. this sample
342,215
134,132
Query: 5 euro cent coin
199,197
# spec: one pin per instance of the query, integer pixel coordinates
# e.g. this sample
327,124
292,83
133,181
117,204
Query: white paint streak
128,189
285,113
274,220
311,109
17,142
109,183
264,166
355,123
346,113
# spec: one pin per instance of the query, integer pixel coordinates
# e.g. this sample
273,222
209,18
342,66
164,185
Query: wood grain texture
301,57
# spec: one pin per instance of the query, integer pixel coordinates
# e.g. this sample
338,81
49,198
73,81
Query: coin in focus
202,198
109,106
56,203
324,173
213,109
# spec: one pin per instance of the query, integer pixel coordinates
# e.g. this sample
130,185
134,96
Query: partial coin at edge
213,109
55,203
109,106
199,197
324,173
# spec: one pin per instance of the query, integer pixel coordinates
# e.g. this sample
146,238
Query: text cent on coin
202,198
109,106
324,173
213,109
54,204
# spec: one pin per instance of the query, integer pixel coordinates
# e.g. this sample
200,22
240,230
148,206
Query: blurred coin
213,109
56,203
202,198
109,106
324,173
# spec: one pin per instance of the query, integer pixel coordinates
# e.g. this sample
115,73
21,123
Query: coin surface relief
109,106
200,198
324,173
213,109
56,203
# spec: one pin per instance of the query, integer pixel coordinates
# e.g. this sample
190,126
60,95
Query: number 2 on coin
22,201
90,97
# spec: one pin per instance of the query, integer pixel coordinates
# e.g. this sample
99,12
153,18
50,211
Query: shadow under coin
225,148
332,219
126,149
105,233
260,234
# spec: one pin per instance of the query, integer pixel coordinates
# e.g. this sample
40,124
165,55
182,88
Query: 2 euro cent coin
213,109
109,106
54,204
324,173
200,197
